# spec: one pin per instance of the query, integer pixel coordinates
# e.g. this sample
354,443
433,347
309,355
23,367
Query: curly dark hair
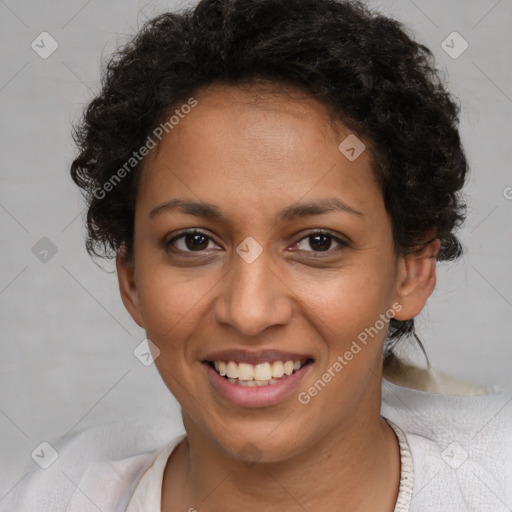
364,68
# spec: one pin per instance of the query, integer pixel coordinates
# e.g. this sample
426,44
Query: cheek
171,300
349,303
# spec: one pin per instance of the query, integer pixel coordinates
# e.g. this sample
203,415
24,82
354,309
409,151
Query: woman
277,180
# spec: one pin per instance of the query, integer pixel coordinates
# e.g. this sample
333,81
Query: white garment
456,454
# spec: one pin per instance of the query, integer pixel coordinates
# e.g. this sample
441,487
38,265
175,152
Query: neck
355,466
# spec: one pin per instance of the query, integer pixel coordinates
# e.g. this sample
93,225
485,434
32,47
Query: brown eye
190,241
320,242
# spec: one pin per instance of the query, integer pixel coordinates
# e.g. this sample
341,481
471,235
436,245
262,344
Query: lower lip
255,396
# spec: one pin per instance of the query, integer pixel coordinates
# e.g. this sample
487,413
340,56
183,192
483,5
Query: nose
253,297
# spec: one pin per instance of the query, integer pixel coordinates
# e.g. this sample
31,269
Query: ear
128,287
416,280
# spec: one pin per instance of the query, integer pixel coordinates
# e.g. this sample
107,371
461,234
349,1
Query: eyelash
196,231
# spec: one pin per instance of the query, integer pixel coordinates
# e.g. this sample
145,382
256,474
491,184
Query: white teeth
252,383
245,371
288,367
256,375
262,371
277,369
232,370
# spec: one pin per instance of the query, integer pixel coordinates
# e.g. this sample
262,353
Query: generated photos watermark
304,397
138,156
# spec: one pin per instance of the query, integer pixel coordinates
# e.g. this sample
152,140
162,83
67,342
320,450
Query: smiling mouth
262,374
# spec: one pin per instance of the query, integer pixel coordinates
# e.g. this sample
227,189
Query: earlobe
416,280
128,287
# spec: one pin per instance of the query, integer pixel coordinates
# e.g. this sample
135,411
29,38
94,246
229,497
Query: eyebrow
211,211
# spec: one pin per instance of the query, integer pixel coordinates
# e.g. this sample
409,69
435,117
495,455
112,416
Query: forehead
253,147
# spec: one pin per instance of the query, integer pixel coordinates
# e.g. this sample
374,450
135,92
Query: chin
260,445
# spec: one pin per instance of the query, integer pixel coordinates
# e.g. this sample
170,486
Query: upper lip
256,356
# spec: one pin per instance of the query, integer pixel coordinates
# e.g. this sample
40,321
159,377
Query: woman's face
260,279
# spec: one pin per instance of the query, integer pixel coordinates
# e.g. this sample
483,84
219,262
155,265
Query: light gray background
66,341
